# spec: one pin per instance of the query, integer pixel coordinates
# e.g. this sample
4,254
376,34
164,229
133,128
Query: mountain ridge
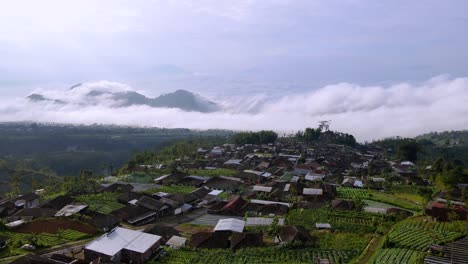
180,99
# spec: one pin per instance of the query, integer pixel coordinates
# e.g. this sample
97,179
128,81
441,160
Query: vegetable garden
101,202
347,221
397,256
355,193
256,255
419,234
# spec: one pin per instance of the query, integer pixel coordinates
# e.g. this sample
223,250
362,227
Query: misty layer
368,112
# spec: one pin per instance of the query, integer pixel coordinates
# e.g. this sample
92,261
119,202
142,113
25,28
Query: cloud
368,112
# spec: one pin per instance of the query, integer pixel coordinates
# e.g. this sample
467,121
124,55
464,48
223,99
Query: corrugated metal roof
176,241
120,238
255,201
262,221
322,225
287,187
230,224
259,188
312,191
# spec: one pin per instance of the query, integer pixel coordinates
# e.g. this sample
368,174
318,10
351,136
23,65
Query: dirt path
371,247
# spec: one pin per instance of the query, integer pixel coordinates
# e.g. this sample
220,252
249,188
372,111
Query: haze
375,68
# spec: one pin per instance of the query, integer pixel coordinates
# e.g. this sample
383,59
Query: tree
408,150
359,204
273,228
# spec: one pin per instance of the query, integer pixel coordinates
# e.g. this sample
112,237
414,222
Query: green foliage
43,240
255,255
261,137
101,202
396,256
408,150
342,241
354,193
345,221
182,189
418,234
212,173
312,135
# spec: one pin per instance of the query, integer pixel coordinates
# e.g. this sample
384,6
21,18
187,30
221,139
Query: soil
52,226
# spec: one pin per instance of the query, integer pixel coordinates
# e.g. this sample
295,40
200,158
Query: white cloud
368,112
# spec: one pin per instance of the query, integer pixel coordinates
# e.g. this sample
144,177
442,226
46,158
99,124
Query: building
123,245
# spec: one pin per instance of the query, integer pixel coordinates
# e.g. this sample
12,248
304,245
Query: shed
176,242
230,224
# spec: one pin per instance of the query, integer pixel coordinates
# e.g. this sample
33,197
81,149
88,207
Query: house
246,240
160,208
10,205
210,240
103,222
233,207
135,215
166,232
230,225
58,202
71,209
288,234
176,242
118,187
352,182
34,213
322,226
130,197
123,245
443,212
343,204
228,184
192,180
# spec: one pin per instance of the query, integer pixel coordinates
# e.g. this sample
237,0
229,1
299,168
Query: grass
404,200
173,189
345,221
212,173
342,241
101,202
43,240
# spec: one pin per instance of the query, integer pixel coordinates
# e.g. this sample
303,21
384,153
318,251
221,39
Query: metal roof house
123,245
230,224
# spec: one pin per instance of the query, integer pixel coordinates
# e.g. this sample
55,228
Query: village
286,201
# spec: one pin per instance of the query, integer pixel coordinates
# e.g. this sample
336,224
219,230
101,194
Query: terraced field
397,256
255,255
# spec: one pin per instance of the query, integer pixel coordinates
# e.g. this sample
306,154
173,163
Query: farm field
212,173
255,255
418,234
54,226
346,221
173,189
44,240
101,202
355,193
397,256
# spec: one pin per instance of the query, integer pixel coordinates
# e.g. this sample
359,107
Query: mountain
180,99
41,98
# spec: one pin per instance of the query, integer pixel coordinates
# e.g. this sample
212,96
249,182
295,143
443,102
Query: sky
245,54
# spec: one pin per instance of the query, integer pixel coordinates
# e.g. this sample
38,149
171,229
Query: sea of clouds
368,112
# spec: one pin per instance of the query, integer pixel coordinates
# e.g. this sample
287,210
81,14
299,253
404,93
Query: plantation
397,256
346,221
173,189
419,234
212,173
43,240
399,201
256,255
101,202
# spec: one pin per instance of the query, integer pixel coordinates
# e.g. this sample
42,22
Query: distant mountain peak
180,99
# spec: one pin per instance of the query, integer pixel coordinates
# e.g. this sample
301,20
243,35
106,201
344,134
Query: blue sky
229,47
